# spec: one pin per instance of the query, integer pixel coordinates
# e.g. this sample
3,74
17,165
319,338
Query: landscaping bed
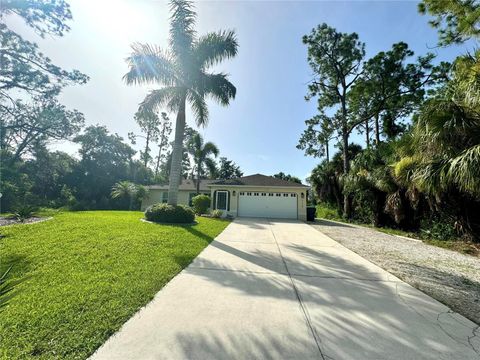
448,276
83,274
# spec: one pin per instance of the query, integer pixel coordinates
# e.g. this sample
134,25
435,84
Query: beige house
249,196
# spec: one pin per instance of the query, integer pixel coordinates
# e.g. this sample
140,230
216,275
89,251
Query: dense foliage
165,213
421,172
200,204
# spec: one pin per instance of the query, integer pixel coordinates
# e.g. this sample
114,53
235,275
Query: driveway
275,289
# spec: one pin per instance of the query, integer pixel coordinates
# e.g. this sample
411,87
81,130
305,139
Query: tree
24,68
288,177
183,72
315,140
227,169
201,152
164,134
336,60
149,124
389,89
129,191
105,160
40,122
456,20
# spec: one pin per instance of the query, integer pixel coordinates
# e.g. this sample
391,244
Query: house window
190,197
264,194
255,194
278,194
293,195
249,194
242,193
285,195
164,196
270,194
222,200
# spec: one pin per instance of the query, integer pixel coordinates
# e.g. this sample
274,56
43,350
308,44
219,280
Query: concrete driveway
275,289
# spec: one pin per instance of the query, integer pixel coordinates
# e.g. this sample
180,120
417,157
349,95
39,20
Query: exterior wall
301,202
155,196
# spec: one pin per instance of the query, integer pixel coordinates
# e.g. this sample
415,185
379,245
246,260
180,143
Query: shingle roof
258,180
187,184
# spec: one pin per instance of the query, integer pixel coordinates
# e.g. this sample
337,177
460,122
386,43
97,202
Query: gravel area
448,276
4,221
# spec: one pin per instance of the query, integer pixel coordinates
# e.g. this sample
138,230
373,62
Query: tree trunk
377,131
198,178
177,155
367,134
327,152
147,142
346,169
160,146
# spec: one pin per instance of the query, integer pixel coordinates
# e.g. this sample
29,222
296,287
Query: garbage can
311,212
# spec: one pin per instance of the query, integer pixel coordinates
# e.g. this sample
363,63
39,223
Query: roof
187,185
258,180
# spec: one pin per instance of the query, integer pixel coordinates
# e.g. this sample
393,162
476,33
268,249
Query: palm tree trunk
327,151
177,155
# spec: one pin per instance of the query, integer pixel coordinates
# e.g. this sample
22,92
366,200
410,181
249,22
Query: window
264,194
285,195
278,194
222,200
270,194
293,195
249,194
164,196
255,194
242,193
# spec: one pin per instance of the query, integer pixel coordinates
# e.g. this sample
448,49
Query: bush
200,204
165,213
24,212
217,213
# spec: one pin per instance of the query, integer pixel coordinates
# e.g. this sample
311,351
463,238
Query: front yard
82,275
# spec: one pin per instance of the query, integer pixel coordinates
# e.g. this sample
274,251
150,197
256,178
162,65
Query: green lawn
83,274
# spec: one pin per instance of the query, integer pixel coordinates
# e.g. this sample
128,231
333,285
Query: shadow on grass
10,267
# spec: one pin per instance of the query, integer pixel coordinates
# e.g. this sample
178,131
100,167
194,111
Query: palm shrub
183,72
201,153
165,213
25,212
201,203
128,191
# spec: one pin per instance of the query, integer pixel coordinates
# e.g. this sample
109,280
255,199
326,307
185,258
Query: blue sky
260,129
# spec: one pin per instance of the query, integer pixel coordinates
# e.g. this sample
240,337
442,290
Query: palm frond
210,149
182,28
156,99
210,165
465,170
149,64
199,107
214,47
218,87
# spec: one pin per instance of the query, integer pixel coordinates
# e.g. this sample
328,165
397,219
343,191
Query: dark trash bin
311,212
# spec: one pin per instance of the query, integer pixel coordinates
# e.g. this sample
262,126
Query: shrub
200,204
217,213
24,212
165,213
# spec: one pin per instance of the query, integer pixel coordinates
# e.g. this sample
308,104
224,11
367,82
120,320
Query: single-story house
249,196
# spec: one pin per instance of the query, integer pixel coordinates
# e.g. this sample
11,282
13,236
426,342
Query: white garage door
270,205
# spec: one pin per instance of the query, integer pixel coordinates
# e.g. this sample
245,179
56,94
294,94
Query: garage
281,205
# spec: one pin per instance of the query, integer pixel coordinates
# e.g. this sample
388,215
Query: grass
324,211
81,275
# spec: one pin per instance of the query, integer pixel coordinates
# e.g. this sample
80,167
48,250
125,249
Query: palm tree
182,70
128,190
201,152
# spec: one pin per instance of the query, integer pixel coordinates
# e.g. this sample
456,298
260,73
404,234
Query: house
249,196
